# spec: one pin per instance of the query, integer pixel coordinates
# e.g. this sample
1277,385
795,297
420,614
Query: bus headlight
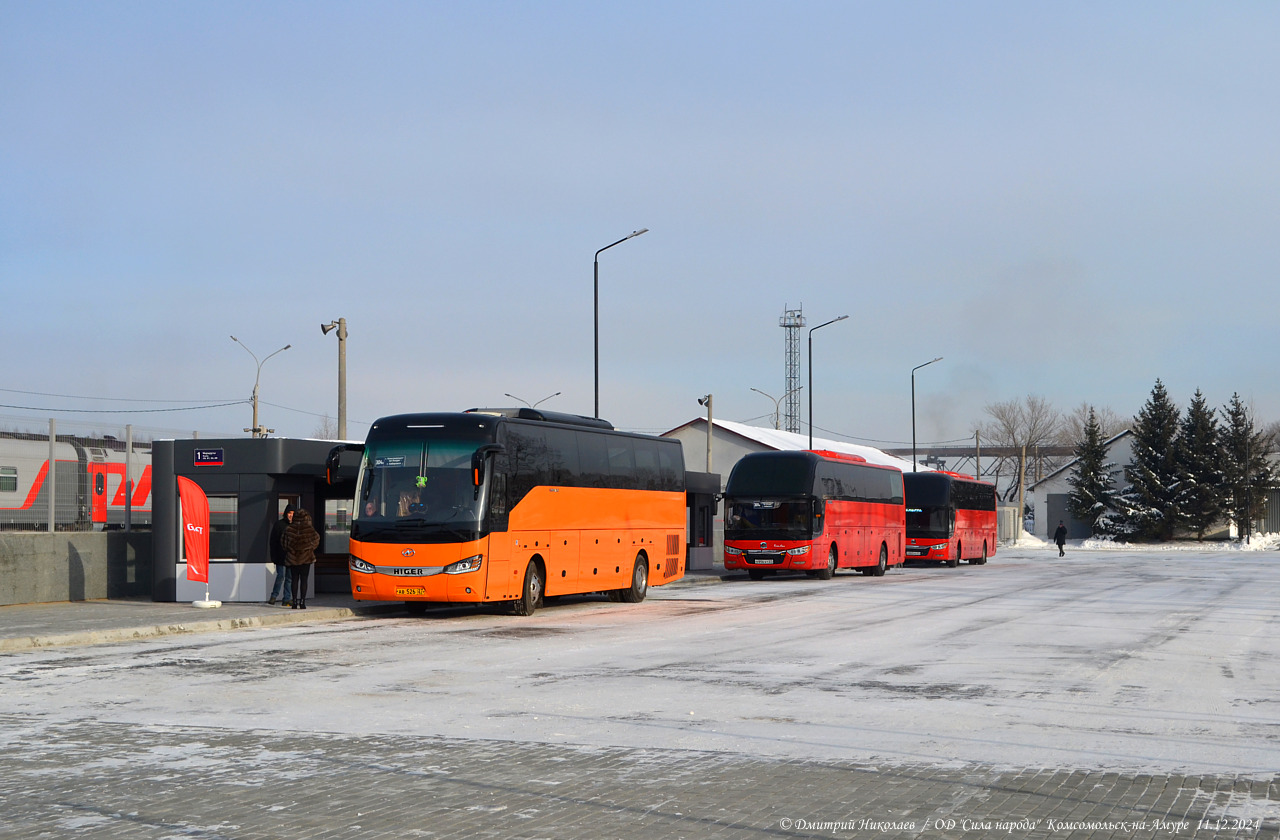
728,550
804,549
358,565
470,564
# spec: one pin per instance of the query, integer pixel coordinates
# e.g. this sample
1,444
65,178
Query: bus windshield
930,521
930,510
769,520
417,489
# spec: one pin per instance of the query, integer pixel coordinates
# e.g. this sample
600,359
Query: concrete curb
276,618
128,634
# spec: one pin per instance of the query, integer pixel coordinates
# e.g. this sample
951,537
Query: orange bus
950,517
513,505
812,511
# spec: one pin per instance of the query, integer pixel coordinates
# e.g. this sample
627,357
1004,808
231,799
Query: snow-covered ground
1125,658
1258,542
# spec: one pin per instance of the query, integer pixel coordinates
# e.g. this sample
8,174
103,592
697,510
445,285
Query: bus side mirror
477,462
334,472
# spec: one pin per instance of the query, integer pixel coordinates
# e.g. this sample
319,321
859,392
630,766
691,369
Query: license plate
411,590
762,561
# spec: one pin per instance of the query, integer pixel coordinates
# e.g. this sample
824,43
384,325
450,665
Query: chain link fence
79,475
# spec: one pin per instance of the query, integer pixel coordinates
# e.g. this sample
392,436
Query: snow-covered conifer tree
1092,484
1147,504
1199,455
1246,466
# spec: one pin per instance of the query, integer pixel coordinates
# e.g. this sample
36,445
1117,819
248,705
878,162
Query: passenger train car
89,482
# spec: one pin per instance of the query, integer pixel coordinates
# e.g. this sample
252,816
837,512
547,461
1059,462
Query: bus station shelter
249,482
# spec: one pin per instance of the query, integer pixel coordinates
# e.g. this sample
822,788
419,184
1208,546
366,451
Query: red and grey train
88,479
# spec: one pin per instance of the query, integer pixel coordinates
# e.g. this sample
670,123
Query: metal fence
1008,523
77,476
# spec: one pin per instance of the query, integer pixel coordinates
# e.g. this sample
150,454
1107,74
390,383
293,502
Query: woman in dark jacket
300,541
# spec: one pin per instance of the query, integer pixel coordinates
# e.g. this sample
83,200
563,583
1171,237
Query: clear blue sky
1066,199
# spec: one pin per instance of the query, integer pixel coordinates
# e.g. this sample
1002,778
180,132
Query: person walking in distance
300,541
283,585
1060,537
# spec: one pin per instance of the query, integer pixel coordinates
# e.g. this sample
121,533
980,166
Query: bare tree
326,429
1021,426
1110,424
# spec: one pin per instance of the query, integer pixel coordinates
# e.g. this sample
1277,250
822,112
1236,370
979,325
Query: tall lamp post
811,330
257,430
913,409
631,235
341,326
535,405
777,403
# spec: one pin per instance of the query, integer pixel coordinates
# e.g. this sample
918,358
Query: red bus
511,505
950,517
813,511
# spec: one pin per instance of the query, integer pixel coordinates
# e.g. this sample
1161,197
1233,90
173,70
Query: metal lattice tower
792,320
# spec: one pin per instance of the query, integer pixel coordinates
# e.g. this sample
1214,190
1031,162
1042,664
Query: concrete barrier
38,568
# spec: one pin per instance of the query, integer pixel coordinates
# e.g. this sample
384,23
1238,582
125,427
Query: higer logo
196,528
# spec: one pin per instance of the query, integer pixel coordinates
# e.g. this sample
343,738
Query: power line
119,410
105,399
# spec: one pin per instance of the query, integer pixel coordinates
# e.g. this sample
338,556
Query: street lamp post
341,326
913,409
257,430
631,235
777,403
535,405
811,330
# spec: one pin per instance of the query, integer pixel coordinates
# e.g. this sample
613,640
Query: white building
1048,496
730,441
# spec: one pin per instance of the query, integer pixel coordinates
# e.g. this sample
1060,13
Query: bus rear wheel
639,587
980,561
880,567
531,594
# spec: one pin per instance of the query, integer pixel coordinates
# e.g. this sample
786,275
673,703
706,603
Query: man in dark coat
283,584
1060,537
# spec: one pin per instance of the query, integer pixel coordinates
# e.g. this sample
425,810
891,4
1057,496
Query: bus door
502,580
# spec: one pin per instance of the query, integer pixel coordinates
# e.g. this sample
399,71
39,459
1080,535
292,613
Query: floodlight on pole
341,326
596,287
707,402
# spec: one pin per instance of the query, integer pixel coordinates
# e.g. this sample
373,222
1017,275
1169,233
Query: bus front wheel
830,570
639,587
954,561
531,595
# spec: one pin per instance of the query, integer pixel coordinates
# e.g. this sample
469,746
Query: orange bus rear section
600,534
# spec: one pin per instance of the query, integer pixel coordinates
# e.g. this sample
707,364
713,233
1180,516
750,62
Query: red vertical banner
195,529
